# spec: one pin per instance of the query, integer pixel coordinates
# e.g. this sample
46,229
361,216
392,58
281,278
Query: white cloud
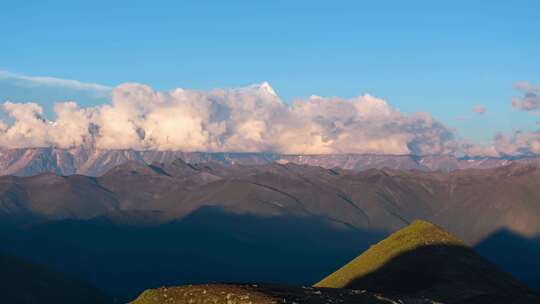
519,143
530,100
526,86
245,119
53,82
478,109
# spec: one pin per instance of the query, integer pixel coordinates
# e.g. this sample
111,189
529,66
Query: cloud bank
249,119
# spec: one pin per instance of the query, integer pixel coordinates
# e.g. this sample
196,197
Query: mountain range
89,160
471,203
123,230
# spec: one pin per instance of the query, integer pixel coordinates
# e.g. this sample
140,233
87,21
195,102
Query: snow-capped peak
261,88
266,87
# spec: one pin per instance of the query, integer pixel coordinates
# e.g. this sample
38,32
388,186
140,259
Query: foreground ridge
263,294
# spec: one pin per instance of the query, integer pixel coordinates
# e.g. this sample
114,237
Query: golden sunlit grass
417,234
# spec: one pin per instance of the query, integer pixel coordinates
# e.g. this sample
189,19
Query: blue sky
418,55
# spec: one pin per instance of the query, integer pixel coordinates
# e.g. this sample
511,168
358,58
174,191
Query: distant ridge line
87,160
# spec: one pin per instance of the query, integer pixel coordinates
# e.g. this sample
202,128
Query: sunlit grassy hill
424,261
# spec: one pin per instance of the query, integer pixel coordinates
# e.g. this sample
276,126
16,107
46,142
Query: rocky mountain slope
88,160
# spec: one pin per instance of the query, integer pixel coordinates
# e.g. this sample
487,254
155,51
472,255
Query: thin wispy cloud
52,82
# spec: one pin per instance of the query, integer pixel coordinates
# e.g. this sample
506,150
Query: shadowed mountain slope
424,261
513,253
24,282
208,245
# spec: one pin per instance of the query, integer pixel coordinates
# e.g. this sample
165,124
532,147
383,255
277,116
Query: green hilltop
423,260
417,234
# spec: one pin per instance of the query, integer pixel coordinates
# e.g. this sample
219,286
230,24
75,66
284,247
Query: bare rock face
88,160
95,162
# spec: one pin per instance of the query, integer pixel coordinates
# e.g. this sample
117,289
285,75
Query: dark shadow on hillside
24,282
445,273
514,253
210,245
